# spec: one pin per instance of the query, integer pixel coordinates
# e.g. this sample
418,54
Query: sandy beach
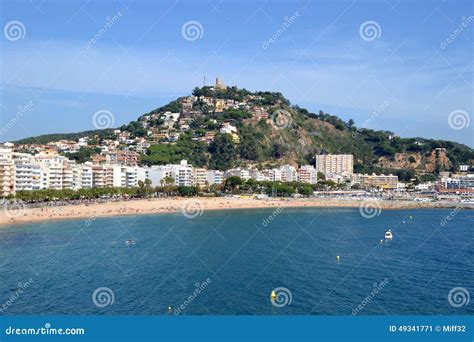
191,207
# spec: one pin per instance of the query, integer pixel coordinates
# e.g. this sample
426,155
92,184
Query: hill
228,127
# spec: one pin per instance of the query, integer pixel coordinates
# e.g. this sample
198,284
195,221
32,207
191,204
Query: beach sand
188,206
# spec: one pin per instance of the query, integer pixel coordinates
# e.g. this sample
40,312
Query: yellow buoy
273,295
169,308
338,257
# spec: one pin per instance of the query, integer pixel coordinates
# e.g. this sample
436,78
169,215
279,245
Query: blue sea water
228,262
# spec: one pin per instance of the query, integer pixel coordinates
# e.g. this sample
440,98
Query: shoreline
195,205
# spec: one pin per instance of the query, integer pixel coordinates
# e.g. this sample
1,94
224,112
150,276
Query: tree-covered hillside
271,131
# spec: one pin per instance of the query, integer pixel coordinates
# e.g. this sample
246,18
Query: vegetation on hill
264,144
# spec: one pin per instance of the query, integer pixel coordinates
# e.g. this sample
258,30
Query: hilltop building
219,85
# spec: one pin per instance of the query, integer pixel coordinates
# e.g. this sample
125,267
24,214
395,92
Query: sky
402,66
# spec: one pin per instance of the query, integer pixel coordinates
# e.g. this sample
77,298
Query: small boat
130,242
388,234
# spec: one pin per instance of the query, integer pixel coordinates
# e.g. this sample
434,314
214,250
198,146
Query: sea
278,261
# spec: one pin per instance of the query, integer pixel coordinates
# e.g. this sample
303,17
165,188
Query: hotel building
376,181
335,164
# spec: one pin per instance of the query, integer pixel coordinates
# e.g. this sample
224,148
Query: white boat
130,242
388,234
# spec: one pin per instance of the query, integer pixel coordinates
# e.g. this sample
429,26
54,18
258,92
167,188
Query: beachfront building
458,181
257,175
7,173
107,175
238,172
56,170
28,173
182,173
272,175
333,165
83,177
200,177
215,177
288,173
23,175
307,174
375,181
157,173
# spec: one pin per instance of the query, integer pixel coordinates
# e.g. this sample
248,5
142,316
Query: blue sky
408,79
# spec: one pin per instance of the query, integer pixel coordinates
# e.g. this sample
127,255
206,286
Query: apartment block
7,173
307,174
335,164
200,177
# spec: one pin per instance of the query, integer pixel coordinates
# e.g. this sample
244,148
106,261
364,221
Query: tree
167,181
223,153
232,183
321,176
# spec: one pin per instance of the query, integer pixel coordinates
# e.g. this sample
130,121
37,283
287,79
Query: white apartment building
257,175
130,176
335,164
288,173
200,177
215,177
307,174
157,173
106,175
7,173
23,176
182,173
56,171
82,176
238,172
272,175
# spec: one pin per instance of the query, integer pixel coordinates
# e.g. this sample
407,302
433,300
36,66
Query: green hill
284,133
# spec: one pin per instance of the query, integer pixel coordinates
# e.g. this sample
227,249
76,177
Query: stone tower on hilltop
219,85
